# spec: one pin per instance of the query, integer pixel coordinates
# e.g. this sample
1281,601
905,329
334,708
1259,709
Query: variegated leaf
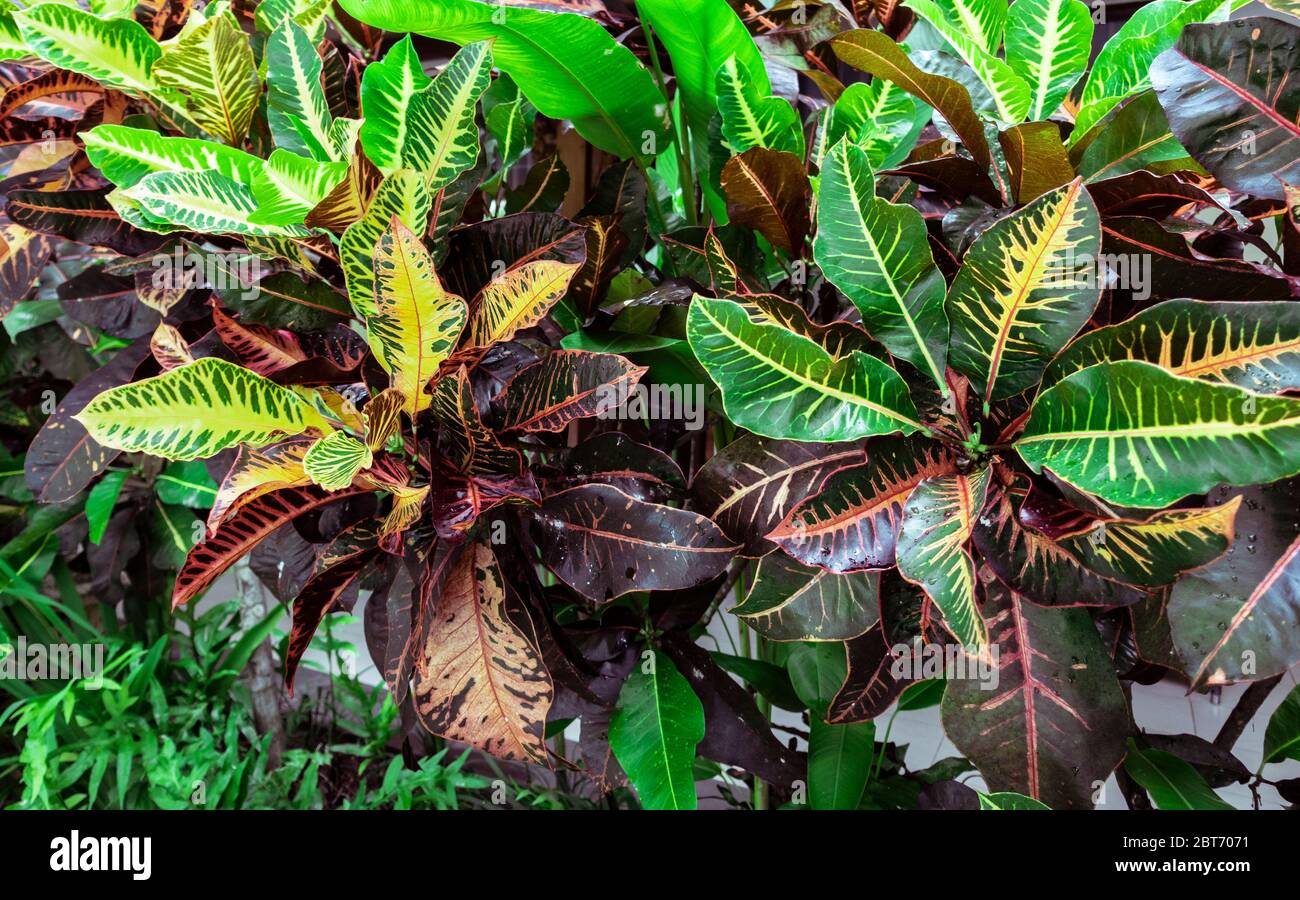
296,110
519,298
213,64
383,417
416,322
401,194
564,386
472,447
115,52
257,472
334,460
479,678
789,601
197,410
852,522
938,519
1026,286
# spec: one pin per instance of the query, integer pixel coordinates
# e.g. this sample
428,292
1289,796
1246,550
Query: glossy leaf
567,65
401,195
852,522
196,411
753,118
1172,783
783,385
750,485
1054,726
1227,91
416,323
516,300
479,677
654,731
115,52
1048,42
334,460
790,601
1136,435
565,386
767,190
213,64
938,519
877,253
1026,286
603,543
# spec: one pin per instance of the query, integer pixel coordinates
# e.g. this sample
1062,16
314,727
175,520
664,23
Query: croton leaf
416,322
612,457
767,190
125,155
334,460
118,53
197,410
317,597
1227,91
750,485
516,300
938,519
880,117
401,195
296,110
1036,566
1026,286
1048,42
259,348
472,447
654,731
479,677
256,472
566,385
604,543
1036,159
82,216
1053,726
790,601
877,253
852,522
1252,345
753,118
1011,95
870,684
1136,138
213,64
1236,618
1172,782
877,55
242,531
197,201
783,385
1136,435
567,65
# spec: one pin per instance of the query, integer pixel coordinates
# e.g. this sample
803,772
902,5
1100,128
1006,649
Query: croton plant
580,335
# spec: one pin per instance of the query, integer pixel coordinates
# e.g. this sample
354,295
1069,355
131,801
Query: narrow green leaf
100,502
654,731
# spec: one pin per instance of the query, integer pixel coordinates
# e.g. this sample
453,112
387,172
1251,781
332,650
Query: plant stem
685,177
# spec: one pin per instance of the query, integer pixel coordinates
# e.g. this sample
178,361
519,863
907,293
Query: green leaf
1010,800
412,122
1136,137
840,758
751,118
1252,345
881,118
790,601
186,484
654,730
1123,66
334,460
206,202
783,385
289,186
1171,782
296,110
1011,95
416,322
567,65
983,21
118,53
878,254
878,55
1026,286
196,410
938,520
100,502
1136,435
401,194
125,155
213,65
700,36
1048,42
1282,737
